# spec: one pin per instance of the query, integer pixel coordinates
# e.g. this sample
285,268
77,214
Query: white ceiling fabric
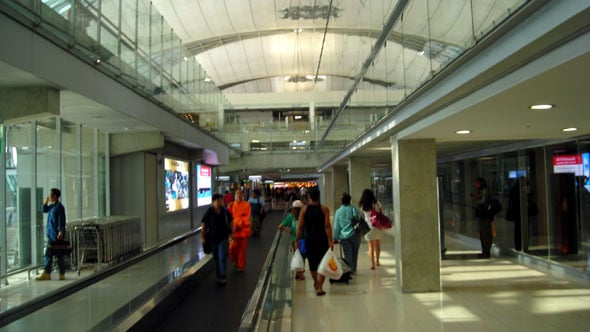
247,45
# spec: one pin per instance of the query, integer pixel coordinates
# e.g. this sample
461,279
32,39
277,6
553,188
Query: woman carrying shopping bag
368,203
315,222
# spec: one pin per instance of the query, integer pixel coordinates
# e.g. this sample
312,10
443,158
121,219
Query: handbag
60,247
380,221
302,247
208,247
359,224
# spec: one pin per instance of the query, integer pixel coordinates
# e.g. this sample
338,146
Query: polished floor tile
478,295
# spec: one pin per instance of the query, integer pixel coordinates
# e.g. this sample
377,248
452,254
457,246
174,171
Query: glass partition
544,192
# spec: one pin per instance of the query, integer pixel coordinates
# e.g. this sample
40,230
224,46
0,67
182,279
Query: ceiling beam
412,42
387,28
382,83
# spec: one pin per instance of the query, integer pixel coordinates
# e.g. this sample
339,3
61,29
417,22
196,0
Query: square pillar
336,183
416,227
326,189
359,177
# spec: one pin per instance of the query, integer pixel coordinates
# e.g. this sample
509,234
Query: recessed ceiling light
255,141
463,132
569,129
207,79
97,61
542,107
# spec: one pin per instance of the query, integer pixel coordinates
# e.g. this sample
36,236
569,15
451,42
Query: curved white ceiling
249,46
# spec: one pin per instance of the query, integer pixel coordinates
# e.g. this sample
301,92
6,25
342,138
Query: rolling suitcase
347,273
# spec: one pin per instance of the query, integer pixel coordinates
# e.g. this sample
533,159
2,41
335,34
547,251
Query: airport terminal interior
141,111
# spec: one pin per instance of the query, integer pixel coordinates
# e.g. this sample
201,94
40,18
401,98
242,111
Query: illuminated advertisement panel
204,191
176,185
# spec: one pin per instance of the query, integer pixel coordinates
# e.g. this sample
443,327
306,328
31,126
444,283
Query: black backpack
495,207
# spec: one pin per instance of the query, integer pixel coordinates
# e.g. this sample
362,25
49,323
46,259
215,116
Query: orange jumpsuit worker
240,211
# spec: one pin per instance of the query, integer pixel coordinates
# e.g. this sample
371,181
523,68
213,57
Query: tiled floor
478,295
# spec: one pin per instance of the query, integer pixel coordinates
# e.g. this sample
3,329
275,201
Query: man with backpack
258,212
215,233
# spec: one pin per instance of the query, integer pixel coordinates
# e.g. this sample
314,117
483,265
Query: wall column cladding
416,227
359,176
28,103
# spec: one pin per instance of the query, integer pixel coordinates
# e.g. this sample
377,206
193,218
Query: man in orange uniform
240,211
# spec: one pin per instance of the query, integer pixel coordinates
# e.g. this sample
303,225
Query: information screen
176,185
204,191
579,164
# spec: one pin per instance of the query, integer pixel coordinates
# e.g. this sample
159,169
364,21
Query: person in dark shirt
314,221
482,198
55,231
215,232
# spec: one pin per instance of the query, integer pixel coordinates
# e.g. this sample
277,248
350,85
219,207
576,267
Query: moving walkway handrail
252,311
42,301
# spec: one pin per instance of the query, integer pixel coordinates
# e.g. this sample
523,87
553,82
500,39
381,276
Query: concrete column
336,183
22,104
133,142
326,189
416,228
220,117
359,176
340,185
312,116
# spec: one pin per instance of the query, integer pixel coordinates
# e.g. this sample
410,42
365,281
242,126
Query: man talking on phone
56,230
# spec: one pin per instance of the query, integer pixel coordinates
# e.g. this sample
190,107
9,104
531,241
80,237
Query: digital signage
204,192
176,185
579,164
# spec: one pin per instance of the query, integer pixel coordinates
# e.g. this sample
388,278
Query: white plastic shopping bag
297,263
330,266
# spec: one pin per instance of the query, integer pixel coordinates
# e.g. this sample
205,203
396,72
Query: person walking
215,232
55,231
290,224
314,221
482,198
349,238
368,203
257,207
240,212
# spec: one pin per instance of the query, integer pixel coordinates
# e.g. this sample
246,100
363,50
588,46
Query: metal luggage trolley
88,241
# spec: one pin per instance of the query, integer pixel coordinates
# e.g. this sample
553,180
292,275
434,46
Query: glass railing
427,37
130,41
